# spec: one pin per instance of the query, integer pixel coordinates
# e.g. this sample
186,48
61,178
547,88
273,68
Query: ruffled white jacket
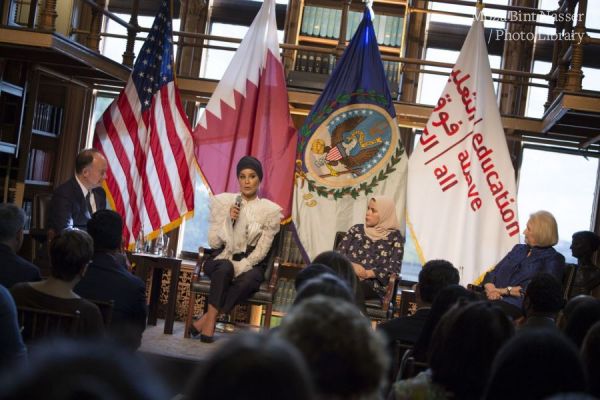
257,225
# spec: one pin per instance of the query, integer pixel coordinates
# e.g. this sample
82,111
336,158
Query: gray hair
12,219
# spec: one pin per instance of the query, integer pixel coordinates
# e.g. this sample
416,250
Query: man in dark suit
435,275
74,202
14,269
107,278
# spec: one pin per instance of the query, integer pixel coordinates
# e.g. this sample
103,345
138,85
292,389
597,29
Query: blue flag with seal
349,148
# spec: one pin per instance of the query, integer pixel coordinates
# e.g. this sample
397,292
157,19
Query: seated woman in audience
587,277
446,298
590,354
70,254
508,280
375,248
243,226
463,347
253,366
534,365
341,266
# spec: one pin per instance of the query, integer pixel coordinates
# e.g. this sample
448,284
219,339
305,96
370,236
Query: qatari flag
248,114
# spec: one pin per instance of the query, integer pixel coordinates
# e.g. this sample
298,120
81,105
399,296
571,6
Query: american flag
146,138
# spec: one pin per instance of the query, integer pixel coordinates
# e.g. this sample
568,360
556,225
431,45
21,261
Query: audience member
14,269
375,248
311,271
463,347
590,354
326,285
433,277
543,300
342,267
74,201
345,357
534,365
68,370
512,274
70,254
587,277
445,299
581,320
108,279
565,314
12,348
253,366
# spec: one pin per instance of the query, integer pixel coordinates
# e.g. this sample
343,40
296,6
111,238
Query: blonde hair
544,228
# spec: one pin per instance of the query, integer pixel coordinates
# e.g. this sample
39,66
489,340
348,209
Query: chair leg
190,314
268,312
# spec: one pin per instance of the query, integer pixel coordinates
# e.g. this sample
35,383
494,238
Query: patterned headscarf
388,221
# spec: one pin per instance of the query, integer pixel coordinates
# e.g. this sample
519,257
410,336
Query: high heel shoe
206,339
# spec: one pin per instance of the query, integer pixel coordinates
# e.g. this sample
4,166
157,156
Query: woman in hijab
243,225
375,247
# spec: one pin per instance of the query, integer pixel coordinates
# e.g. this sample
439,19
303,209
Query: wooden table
144,263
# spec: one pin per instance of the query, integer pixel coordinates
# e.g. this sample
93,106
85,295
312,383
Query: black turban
250,163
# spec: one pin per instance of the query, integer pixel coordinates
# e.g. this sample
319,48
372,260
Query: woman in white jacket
243,226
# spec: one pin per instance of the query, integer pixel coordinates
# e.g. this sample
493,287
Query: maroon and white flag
248,114
461,183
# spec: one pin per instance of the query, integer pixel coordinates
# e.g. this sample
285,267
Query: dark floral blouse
382,256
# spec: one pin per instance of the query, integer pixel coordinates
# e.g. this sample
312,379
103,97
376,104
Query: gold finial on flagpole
479,5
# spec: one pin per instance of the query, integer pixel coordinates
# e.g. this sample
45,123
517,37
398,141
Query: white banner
461,196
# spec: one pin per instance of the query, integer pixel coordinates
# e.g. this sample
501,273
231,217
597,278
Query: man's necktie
88,201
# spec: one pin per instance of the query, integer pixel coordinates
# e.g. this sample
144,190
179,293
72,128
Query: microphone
238,204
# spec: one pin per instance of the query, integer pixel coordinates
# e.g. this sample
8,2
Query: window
114,48
561,183
537,96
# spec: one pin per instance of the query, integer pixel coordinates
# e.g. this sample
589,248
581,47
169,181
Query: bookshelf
329,25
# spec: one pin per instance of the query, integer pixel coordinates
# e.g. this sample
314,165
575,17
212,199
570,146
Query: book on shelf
40,165
324,30
47,118
27,209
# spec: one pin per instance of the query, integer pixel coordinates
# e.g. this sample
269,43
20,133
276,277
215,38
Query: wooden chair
409,367
378,310
106,309
568,280
39,323
200,283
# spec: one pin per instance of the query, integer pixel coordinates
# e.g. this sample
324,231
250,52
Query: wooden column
575,75
129,55
93,40
48,16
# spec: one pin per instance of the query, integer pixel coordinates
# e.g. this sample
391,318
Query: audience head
536,364
584,244
541,230
464,345
70,253
434,276
106,229
309,272
446,298
12,222
582,318
91,167
590,354
69,370
566,312
341,265
253,366
543,295
327,285
346,358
